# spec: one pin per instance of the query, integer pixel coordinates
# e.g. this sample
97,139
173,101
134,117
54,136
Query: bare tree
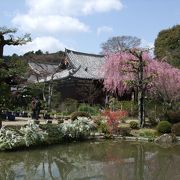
44,74
120,43
7,38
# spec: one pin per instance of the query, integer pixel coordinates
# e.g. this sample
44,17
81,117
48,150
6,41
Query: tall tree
136,69
167,45
120,43
7,38
8,73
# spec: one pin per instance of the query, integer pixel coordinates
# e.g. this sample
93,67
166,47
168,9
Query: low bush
152,116
113,119
148,133
65,113
101,124
130,107
29,135
67,106
79,128
173,116
33,134
93,110
124,131
77,114
164,127
144,132
54,135
133,125
176,129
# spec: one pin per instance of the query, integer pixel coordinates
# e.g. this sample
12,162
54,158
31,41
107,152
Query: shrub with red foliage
113,119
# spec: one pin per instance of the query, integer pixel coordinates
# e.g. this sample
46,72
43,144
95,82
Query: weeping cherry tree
138,70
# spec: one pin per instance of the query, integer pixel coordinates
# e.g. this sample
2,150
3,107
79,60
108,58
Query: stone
165,139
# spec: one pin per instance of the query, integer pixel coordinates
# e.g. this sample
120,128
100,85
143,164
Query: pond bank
31,135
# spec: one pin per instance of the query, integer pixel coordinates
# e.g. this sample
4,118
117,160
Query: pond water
100,160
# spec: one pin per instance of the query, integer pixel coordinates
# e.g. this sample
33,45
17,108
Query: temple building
78,76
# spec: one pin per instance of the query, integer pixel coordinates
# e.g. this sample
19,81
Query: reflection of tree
88,160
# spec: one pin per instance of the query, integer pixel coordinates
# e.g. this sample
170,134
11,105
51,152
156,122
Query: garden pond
93,160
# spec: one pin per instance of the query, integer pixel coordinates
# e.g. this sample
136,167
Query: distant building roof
43,68
80,65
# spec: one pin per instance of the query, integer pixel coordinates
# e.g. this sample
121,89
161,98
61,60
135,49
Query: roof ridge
83,53
45,63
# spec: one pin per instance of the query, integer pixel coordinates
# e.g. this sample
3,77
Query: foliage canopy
167,45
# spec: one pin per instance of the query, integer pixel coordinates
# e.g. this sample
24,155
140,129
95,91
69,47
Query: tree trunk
0,123
1,51
141,114
1,46
50,92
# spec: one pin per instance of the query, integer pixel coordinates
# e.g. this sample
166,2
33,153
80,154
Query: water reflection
109,160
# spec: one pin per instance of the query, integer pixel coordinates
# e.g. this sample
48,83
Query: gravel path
22,121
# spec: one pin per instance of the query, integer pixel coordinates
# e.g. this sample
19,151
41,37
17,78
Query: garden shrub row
33,134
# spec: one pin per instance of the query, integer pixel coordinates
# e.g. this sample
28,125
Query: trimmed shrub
164,127
133,125
176,129
77,114
93,110
173,116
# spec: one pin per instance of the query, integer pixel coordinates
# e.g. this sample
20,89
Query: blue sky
83,25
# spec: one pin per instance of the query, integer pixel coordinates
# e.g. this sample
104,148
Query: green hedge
164,127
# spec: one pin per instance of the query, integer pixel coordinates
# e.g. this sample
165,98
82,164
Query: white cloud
103,29
91,6
51,16
72,7
48,43
49,23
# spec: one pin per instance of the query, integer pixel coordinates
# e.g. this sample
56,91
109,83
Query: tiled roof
43,68
59,75
81,65
89,64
